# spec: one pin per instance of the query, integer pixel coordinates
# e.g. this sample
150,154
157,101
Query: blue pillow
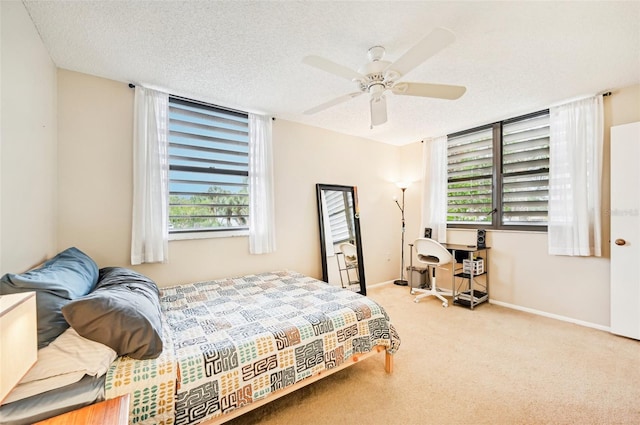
69,275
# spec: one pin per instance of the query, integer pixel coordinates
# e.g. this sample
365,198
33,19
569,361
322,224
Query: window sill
207,235
464,229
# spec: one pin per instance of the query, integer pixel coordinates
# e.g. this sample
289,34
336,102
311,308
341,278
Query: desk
467,295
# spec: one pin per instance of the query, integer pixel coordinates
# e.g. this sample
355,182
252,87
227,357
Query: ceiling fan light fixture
377,89
378,106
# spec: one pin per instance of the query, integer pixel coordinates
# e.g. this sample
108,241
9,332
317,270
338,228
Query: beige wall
66,180
522,273
94,191
28,160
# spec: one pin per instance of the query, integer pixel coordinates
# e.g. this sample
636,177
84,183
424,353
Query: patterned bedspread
150,383
238,340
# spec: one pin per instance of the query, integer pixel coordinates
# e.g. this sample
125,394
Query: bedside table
114,411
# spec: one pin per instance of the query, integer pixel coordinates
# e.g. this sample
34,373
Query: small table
114,411
470,297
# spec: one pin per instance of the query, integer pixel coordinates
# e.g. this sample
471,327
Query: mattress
231,342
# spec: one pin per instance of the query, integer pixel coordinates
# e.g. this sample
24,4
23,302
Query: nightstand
114,411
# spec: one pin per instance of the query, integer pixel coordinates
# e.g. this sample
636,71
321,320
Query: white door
625,230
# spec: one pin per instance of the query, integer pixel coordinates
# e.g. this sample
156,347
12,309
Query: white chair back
350,252
433,251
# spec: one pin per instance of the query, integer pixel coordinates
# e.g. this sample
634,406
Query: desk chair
433,255
351,262
350,253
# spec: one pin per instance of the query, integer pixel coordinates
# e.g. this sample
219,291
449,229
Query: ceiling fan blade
332,102
437,40
378,110
440,91
331,67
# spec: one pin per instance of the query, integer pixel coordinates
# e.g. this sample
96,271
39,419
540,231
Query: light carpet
492,365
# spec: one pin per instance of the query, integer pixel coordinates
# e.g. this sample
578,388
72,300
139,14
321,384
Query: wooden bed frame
388,367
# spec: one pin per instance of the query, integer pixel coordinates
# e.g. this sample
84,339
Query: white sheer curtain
262,236
434,195
150,232
575,172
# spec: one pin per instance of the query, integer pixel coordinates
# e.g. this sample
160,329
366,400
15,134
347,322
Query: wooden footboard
388,367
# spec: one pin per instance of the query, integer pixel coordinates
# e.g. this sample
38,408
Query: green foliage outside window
218,208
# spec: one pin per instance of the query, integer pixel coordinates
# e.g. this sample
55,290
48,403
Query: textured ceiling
513,57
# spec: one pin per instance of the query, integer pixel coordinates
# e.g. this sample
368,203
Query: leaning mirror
340,244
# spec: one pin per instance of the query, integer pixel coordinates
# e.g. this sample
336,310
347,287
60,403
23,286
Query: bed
220,348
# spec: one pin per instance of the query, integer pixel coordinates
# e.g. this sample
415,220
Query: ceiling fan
378,76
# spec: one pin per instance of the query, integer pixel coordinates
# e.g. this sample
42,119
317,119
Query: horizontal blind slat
192,159
205,129
214,117
175,137
207,194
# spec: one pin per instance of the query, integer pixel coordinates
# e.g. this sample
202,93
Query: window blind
525,170
470,171
208,167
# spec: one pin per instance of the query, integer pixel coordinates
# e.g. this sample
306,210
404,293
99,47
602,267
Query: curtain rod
133,86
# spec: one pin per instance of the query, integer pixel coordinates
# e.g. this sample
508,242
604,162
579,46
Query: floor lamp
402,281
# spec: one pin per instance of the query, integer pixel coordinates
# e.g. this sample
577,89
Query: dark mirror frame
356,220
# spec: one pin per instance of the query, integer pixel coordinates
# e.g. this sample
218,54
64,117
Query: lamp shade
403,185
18,338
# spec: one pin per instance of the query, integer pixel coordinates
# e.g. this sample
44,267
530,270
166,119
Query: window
498,175
339,207
208,167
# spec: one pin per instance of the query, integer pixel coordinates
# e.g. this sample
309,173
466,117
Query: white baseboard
551,316
528,310
375,285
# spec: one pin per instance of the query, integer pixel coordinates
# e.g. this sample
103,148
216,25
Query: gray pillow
123,313
69,275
